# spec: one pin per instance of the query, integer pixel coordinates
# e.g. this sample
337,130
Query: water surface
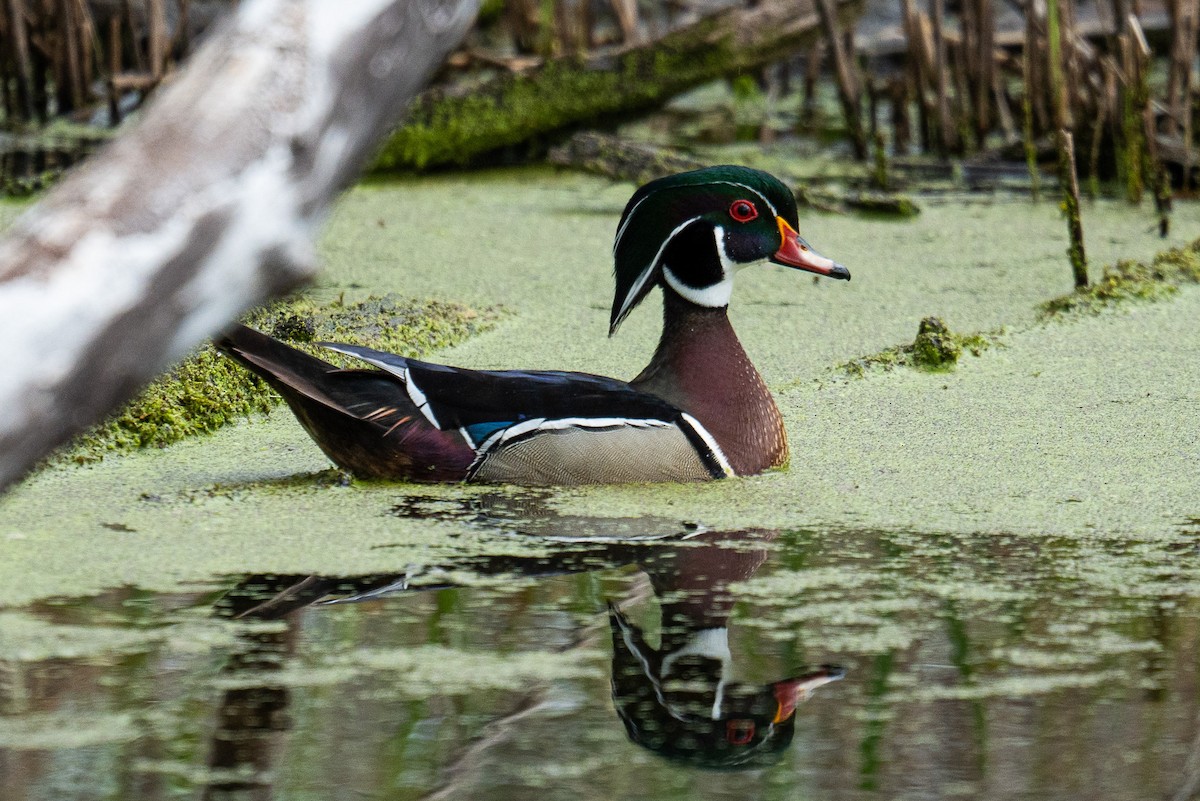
971,584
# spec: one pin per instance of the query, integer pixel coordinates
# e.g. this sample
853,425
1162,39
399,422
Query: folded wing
555,427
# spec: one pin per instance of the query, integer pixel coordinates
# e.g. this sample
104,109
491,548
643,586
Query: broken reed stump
879,177
1135,109
849,87
1031,160
1069,180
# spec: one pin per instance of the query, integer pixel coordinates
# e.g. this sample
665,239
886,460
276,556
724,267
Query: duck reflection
680,699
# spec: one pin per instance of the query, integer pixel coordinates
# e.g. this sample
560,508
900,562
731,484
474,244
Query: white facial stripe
715,295
728,265
763,197
624,225
649,270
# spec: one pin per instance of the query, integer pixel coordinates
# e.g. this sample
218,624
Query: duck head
692,231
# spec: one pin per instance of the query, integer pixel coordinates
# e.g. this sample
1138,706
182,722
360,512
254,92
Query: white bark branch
206,208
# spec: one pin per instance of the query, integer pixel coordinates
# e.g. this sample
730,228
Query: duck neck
701,367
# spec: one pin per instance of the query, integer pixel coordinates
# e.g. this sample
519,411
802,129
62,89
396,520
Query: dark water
669,663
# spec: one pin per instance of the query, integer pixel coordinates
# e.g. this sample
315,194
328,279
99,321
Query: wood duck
699,410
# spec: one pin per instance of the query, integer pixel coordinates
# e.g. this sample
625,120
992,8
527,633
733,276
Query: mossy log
526,111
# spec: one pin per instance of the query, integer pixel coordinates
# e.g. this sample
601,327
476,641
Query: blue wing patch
479,432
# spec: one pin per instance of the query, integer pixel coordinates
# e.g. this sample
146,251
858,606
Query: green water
1001,558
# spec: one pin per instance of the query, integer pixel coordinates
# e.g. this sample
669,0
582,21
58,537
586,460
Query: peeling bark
206,208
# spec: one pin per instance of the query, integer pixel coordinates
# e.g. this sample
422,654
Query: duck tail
363,420
287,370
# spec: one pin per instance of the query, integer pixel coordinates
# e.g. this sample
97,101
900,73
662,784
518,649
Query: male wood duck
698,411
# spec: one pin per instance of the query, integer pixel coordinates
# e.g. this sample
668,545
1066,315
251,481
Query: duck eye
743,211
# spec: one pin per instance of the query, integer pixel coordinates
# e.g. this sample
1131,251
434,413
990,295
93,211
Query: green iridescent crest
661,209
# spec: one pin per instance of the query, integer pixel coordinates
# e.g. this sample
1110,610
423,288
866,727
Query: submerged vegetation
935,349
207,390
1132,280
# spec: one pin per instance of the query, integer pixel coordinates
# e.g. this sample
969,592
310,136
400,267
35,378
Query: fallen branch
620,159
206,208
637,162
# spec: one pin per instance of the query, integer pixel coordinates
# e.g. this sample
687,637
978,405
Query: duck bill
790,692
795,252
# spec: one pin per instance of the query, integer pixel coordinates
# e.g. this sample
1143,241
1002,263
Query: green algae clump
207,390
1132,280
936,349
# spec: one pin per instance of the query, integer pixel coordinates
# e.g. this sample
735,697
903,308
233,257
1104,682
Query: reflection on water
628,659
678,700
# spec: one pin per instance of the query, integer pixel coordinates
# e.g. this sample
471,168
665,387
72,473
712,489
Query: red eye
743,211
739,732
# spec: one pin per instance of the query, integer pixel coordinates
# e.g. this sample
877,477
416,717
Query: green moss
207,390
25,186
1132,280
456,128
935,349
445,129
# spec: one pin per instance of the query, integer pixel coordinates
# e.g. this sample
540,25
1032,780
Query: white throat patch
713,296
